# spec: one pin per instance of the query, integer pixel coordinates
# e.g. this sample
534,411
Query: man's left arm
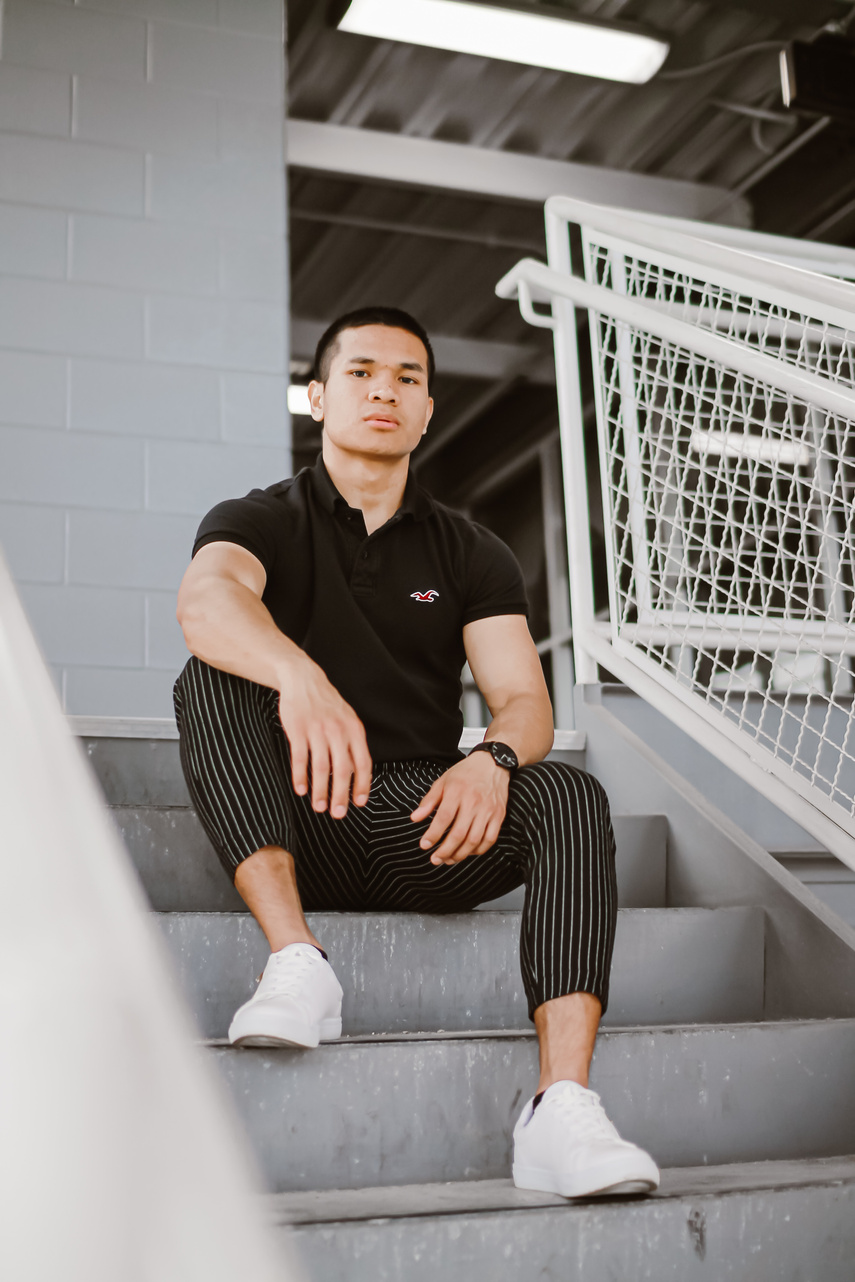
469,800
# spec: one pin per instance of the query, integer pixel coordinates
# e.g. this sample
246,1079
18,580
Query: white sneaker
567,1145
297,1002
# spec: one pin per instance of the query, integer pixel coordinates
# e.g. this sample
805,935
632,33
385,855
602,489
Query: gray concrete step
671,965
146,771
137,772
771,1221
181,873
424,1108
829,879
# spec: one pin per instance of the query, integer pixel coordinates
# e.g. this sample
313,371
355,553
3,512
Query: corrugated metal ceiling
439,254
677,128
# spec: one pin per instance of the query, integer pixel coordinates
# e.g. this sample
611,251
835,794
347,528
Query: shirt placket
363,579
366,567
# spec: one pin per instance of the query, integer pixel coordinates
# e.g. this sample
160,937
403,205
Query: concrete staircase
728,1052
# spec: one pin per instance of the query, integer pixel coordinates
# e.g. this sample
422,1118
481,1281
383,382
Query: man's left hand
470,801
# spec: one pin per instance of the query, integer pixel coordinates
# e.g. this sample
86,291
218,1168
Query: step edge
165,728
505,1034
618,816
734,910
689,1182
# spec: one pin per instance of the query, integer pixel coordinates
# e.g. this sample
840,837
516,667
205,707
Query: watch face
504,756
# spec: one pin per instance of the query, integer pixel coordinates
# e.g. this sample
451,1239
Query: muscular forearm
524,724
228,626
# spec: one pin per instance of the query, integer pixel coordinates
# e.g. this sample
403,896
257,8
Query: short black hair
393,317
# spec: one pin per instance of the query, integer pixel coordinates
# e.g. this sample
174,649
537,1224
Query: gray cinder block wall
143,345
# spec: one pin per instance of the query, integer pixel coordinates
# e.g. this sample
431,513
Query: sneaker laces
283,976
586,1113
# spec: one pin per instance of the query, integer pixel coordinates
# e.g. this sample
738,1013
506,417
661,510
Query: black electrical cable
762,46
756,113
840,26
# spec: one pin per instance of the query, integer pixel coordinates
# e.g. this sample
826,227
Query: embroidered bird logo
430,595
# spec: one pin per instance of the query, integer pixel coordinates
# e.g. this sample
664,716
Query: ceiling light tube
541,36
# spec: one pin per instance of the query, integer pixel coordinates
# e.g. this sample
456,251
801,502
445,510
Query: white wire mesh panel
729,507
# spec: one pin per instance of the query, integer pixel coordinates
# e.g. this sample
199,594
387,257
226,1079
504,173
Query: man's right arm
226,624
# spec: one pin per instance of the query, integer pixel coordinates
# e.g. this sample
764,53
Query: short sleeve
250,522
494,581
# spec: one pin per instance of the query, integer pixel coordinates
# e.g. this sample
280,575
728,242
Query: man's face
375,400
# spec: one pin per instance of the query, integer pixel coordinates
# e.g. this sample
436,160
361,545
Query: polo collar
416,501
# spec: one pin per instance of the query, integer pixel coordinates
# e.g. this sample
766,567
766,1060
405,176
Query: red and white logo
430,595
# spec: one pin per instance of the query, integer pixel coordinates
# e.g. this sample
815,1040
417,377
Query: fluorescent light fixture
298,399
542,36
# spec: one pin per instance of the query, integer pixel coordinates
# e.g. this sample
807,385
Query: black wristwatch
500,752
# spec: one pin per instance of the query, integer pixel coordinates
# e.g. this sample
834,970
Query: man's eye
360,372
406,379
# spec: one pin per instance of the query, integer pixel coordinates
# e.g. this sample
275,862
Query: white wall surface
143,352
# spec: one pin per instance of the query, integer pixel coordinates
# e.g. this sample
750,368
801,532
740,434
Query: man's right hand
324,730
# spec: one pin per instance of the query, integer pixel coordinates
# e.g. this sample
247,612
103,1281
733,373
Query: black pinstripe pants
556,836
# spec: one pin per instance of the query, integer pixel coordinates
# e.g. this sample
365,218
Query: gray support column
143,305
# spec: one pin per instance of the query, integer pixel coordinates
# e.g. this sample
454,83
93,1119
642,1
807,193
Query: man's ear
316,400
428,415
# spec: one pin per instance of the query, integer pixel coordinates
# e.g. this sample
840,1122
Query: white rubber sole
609,1179
259,1031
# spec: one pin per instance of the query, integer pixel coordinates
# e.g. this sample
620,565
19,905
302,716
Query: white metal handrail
724,379
529,276
766,260
120,1158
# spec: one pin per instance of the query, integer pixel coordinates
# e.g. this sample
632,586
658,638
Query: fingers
491,836
320,773
299,763
460,842
465,820
349,761
332,744
445,815
342,773
361,758
431,799
335,763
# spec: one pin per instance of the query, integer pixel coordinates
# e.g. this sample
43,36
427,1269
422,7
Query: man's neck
374,485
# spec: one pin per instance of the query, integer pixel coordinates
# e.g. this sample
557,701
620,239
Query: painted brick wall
142,315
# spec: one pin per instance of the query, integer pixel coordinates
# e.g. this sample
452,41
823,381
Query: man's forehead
375,342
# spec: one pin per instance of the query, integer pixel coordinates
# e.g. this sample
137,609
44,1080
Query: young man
329,617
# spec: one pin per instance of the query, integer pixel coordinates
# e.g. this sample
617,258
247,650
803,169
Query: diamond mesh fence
729,512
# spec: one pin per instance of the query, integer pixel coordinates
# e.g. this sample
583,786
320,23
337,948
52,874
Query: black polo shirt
381,613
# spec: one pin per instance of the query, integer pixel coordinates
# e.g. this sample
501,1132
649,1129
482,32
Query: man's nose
383,390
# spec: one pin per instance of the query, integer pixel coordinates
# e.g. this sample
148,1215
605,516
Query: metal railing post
572,426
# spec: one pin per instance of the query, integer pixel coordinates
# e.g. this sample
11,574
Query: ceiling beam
487,239
811,12
373,155
467,357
